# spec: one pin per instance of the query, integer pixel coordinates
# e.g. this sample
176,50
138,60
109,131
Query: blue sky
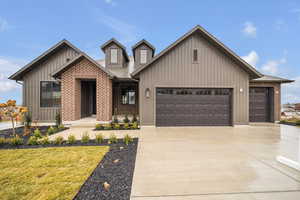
265,33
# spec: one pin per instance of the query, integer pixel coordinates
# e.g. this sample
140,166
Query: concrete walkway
212,163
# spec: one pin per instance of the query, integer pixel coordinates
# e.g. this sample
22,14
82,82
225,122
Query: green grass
46,173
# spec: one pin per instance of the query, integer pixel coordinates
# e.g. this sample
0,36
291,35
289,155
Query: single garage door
193,107
260,104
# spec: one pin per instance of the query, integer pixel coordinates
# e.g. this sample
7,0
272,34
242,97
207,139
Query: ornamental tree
12,111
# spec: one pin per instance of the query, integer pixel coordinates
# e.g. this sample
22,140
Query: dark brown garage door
260,104
193,107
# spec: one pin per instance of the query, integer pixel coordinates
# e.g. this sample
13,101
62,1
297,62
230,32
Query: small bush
27,120
43,141
58,140
126,120
134,119
135,125
127,139
99,127
99,139
112,139
107,127
126,126
71,139
61,127
50,130
298,122
85,138
115,120
55,129
33,141
3,141
37,133
15,141
117,126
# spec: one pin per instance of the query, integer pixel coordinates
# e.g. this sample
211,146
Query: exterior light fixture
241,90
147,93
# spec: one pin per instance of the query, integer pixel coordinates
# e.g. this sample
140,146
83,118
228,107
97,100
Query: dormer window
114,56
195,55
143,56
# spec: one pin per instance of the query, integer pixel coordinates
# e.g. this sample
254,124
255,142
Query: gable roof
251,70
20,73
113,40
268,78
58,72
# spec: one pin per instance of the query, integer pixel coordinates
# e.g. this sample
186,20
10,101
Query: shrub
107,127
15,141
134,119
71,139
127,139
37,133
135,125
115,120
85,138
126,126
32,140
61,127
117,126
298,122
99,127
126,120
55,129
59,140
58,119
3,141
112,139
50,130
43,141
99,138
27,120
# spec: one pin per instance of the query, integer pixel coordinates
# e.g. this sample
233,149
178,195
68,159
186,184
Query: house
196,80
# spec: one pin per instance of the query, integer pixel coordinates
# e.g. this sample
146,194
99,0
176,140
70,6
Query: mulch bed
119,175
8,133
289,123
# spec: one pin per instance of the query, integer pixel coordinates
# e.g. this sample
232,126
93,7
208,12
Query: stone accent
71,91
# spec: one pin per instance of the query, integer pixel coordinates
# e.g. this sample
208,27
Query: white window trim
143,52
111,57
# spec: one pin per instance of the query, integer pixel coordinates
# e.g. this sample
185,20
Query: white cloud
252,58
127,32
7,85
249,29
272,66
3,25
111,2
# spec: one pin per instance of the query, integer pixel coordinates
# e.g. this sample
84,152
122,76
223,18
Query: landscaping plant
37,133
27,123
3,141
59,140
135,125
32,140
12,111
61,127
115,120
107,127
99,138
128,139
126,120
117,126
126,126
15,141
43,141
99,127
134,119
85,138
50,130
71,139
112,139
58,119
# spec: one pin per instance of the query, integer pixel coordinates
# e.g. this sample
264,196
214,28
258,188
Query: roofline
273,81
82,55
113,40
247,67
16,75
141,42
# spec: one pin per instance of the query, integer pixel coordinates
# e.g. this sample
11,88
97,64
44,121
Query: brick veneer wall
71,91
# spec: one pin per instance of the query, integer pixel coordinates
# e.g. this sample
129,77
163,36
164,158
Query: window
114,56
143,56
50,94
195,55
128,95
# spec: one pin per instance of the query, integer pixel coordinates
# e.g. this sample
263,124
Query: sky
264,33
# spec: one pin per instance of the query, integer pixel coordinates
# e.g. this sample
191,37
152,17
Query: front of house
196,80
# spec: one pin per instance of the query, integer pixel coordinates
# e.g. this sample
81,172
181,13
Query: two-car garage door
193,106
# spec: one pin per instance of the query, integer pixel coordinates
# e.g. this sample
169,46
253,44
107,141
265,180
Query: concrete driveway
217,163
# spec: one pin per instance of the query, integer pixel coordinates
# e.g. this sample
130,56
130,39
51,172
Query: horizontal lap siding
176,69
42,72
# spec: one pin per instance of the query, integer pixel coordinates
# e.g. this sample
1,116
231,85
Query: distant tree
12,111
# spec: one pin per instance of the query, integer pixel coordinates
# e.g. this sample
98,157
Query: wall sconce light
147,93
241,90
276,92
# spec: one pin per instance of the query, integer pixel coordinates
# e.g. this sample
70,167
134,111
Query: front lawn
47,173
